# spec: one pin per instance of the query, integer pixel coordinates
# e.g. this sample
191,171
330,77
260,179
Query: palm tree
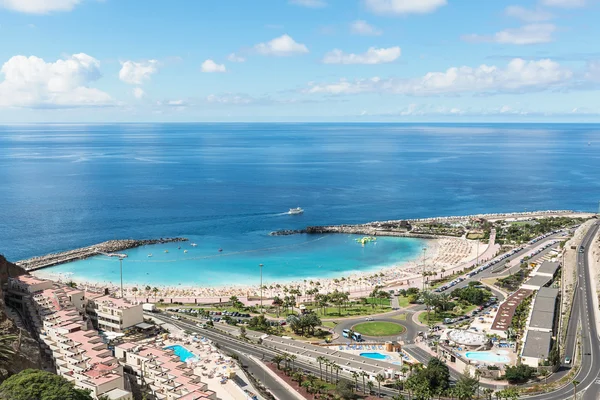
336,368
292,359
355,376
350,335
575,383
278,359
364,375
7,349
442,271
134,290
398,384
544,373
379,378
488,393
155,290
321,360
370,385
307,385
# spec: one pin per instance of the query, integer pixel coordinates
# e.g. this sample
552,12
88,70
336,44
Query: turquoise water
284,259
486,356
374,356
180,351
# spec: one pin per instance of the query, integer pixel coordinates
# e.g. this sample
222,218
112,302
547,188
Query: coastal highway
582,314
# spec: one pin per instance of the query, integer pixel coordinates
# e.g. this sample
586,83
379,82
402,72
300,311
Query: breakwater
414,227
108,248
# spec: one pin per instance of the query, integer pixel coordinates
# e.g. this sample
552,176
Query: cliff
27,350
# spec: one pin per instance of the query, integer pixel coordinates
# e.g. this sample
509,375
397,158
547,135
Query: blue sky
299,60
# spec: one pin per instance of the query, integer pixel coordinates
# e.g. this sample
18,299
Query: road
582,314
237,346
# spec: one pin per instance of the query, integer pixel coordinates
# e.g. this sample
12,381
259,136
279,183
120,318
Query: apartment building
113,314
163,372
56,314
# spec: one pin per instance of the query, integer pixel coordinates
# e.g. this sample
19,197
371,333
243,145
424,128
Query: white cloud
361,27
309,3
527,34
371,56
138,92
527,15
136,73
283,45
32,82
39,6
402,7
235,58
518,76
211,66
564,3
233,99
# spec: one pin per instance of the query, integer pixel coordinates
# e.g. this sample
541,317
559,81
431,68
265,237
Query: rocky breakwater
400,228
108,248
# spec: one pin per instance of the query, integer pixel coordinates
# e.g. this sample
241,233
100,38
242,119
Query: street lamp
424,250
121,268
261,288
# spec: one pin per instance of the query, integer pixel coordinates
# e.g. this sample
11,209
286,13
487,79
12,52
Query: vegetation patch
379,328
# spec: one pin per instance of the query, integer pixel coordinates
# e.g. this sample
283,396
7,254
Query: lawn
400,317
403,301
329,324
439,317
379,328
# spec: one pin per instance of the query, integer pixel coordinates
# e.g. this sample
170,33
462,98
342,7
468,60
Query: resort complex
491,316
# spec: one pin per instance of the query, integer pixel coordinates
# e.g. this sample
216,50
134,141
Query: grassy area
435,318
403,301
329,324
379,328
400,317
475,235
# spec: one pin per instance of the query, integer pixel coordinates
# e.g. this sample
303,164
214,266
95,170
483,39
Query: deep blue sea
228,185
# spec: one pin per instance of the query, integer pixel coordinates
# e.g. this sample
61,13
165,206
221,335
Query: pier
110,248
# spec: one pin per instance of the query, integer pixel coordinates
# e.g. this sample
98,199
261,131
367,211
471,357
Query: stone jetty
108,248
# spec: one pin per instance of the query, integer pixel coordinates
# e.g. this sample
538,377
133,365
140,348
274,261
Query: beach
446,253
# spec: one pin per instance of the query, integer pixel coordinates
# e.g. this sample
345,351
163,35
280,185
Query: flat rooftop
538,281
537,344
548,267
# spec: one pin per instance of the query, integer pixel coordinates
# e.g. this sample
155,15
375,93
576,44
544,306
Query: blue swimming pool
486,356
374,356
180,351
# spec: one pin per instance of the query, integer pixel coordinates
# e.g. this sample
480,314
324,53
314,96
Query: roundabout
379,328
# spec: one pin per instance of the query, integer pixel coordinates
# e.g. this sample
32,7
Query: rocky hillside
27,353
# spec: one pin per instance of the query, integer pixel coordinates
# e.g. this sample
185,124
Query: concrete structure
348,362
163,372
114,314
506,311
547,268
536,282
536,348
56,315
543,313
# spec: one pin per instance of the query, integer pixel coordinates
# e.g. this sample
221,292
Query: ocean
226,186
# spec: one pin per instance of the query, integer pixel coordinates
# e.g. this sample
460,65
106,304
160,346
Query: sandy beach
440,254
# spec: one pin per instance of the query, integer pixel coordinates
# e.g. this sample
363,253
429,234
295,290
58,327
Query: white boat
193,245
295,211
150,255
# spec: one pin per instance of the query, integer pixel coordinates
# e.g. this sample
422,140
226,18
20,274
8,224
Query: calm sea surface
228,185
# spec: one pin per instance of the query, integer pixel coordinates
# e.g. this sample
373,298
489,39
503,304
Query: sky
299,60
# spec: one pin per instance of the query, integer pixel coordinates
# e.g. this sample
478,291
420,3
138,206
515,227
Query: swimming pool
180,351
486,356
374,356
